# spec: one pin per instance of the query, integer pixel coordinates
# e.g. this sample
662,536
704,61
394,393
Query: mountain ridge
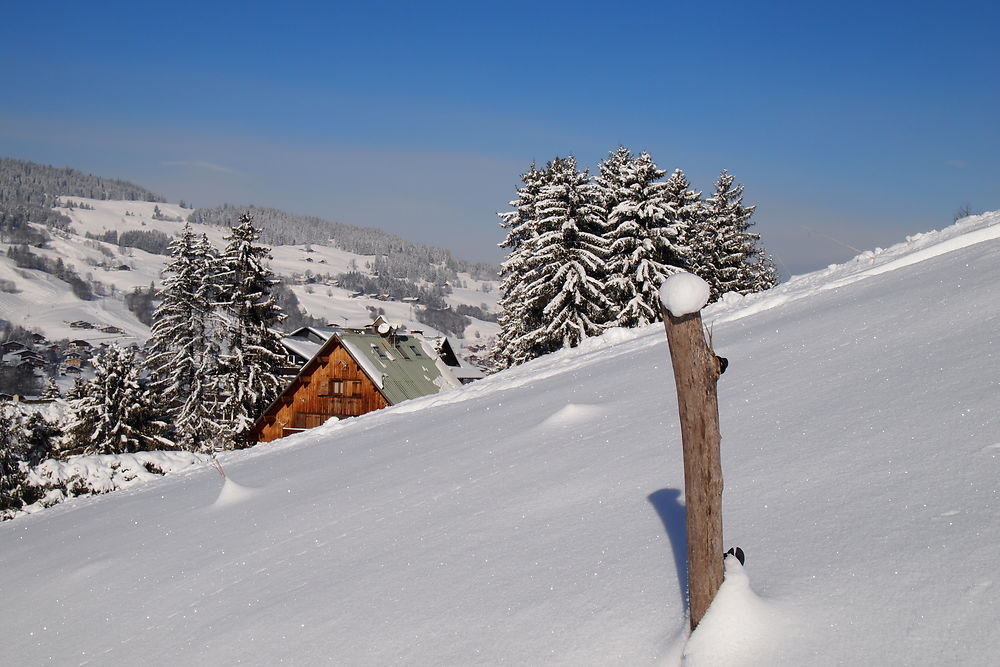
36,299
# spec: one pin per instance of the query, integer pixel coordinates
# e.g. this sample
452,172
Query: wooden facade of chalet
331,384
350,373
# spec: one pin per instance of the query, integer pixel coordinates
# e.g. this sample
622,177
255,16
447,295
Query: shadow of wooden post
696,374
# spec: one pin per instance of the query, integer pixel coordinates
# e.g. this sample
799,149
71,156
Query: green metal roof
399,364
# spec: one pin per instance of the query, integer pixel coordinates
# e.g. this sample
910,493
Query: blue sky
851,124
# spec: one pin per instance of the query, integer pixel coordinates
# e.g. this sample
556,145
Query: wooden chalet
74,358
13,346
350,372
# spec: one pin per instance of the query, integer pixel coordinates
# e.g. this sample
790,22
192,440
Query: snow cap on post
684,293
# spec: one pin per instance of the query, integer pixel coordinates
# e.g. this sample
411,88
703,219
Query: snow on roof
409,369
374,368
402,365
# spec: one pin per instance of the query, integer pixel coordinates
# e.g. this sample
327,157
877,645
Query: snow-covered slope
47,304
535,517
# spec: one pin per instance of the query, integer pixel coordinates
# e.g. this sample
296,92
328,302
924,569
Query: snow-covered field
535,517
47,304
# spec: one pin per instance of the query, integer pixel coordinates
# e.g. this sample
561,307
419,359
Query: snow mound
683,294
573,413
740,627
232,494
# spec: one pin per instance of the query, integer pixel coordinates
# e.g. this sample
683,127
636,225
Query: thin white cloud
958,164
200,164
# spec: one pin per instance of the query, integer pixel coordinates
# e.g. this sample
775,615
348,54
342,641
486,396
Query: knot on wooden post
696,373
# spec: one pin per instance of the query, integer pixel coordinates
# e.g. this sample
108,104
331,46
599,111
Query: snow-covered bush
53,481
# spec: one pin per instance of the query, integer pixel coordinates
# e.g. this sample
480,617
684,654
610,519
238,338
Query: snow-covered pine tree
517,270
642,232
732,262
183,350
765,273
40,438
115,413
686,211
51,391
12,459
568,286
253,356
78,389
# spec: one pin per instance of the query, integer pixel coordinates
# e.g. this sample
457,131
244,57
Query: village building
23,357
75,359
12,346
343,372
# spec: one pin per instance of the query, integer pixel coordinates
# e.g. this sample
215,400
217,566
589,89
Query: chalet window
331,388
402,352
341,387
416,352
379,351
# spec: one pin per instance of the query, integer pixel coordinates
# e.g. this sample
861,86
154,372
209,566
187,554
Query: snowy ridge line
990,233
915,249
616,342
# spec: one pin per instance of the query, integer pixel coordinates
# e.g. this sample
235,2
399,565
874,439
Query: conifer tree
643,232
40,438
729,258
253,355
115,412
12,459
51,390
183,350
568,285
685,208
516,271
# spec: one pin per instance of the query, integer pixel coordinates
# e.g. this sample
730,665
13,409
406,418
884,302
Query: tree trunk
696,372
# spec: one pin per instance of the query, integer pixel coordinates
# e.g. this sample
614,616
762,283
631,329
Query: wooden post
696,373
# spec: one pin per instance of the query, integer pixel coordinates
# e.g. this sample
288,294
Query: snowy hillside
535,517
43,302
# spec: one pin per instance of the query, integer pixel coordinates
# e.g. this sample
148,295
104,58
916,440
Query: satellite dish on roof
384,328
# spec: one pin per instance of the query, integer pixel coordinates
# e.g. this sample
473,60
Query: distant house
28,358
17,354
350,372
75,358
